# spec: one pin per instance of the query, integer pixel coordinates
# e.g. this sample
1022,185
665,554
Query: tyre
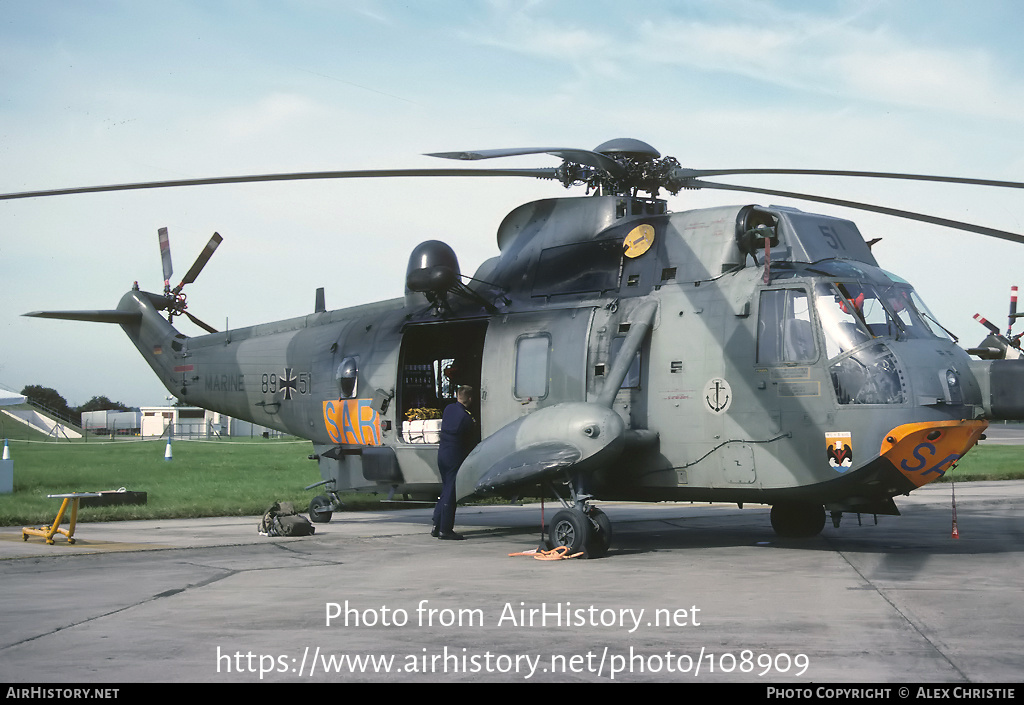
570,528
600,535
798,519
320,509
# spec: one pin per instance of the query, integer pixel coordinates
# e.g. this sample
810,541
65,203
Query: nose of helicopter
924,451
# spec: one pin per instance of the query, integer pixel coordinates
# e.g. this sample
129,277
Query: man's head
464,394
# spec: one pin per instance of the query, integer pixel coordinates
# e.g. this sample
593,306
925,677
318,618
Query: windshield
853,313
842,318
916,319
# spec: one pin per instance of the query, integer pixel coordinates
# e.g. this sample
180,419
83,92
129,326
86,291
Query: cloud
843,59
528,30
850,56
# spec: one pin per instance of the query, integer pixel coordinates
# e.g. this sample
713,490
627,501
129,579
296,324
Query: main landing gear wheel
798,519
321,509
589,532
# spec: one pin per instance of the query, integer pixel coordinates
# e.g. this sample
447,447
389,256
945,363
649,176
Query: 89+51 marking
289,383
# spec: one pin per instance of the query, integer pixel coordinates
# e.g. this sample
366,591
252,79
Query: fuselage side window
533,354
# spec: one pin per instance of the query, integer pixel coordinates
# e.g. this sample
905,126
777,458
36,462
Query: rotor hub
640,168
627,147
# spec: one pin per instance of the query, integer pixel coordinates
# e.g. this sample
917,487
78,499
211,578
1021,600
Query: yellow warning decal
638,241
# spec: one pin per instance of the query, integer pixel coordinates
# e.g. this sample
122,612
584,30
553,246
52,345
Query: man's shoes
435,532
451,536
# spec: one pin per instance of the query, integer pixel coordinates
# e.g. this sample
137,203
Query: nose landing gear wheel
798,519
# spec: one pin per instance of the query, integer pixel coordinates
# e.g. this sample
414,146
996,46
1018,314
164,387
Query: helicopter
620,351
996,345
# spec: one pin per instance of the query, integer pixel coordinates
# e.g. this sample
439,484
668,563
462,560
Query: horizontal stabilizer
108,316
535,463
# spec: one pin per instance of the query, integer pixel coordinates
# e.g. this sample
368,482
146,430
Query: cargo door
531,361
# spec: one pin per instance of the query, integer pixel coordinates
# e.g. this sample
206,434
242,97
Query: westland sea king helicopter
741,354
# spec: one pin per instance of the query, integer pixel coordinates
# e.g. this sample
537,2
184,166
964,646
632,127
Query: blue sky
109,92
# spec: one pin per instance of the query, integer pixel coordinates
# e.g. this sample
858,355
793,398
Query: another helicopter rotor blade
299,176
910,215
697,173
1013,310
580,156
200,262
994,330
988,324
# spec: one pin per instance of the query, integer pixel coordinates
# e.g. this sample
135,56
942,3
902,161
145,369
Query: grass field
235,478
989,462
239,478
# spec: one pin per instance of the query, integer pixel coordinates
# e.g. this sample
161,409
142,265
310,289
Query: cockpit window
869,306
916,319
924,323
841,318
853,314
870,375
784,332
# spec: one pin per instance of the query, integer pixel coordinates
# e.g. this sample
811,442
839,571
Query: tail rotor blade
165,256
208,328
201,261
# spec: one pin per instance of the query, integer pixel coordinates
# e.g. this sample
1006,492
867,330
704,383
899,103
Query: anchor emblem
718,395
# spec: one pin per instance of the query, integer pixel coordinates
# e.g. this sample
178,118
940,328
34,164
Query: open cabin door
531,361
436,359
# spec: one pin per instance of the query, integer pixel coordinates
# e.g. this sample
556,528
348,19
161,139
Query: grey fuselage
822,380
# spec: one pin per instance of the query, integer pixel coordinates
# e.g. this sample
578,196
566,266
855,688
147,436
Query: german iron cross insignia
288,383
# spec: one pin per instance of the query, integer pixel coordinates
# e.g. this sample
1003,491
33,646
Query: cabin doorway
436,359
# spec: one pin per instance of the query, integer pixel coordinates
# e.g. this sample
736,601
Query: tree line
51,400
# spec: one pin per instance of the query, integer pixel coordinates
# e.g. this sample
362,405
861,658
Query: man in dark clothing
458,436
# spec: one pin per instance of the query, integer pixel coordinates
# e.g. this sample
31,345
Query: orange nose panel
924,451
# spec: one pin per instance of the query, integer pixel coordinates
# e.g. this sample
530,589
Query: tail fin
108,316
138,314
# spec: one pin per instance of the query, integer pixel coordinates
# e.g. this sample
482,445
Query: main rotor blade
200,262
696,173
580,156
910,215
300,176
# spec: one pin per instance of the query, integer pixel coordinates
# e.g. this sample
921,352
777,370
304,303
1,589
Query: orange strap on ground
557,553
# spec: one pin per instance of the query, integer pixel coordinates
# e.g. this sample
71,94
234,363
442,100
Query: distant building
193,422
112,423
